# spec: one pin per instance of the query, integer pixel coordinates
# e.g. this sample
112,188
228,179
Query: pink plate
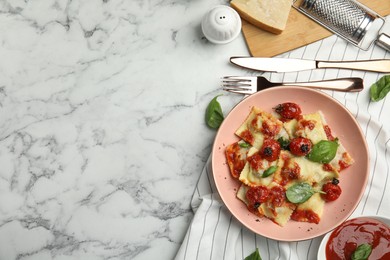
352,180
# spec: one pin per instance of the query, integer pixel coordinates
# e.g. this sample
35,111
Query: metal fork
250,85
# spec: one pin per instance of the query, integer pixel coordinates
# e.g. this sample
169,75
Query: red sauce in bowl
344,240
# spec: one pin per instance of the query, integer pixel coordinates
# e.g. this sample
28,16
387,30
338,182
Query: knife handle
369,65
342,84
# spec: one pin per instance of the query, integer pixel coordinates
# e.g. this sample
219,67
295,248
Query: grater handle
382,65
384,41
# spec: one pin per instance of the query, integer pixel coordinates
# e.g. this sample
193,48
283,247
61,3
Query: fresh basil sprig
324,151
214,115
379,89
254,256
362,252
300,192
269,171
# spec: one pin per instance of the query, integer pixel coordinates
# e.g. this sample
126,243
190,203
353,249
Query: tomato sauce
327,167
270,129
305,215
343,162
288,174
247,136
308,124
277,196
343,165
256,161
328,133
347,237
234,157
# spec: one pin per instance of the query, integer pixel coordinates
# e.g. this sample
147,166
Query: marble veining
102,133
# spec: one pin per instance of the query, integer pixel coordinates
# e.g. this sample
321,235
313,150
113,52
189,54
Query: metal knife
289,65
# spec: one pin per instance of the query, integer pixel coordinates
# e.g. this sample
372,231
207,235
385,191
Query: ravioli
242,192
254,171
342,159
310,126
279,212
290,128
257,126
236,157
294,169
309,211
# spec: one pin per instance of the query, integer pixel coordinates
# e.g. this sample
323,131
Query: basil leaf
323,151
284,143
254,256
379,89
214,115
300,192
269,171
244,145
362,252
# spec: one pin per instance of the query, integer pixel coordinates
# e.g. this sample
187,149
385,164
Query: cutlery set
249,85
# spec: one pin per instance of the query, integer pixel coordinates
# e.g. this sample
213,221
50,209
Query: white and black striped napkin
215,234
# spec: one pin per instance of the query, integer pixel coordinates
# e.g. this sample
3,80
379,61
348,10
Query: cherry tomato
270,150
333,191
288,110
300,146
256,196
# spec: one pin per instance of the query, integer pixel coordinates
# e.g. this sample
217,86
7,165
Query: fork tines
236,84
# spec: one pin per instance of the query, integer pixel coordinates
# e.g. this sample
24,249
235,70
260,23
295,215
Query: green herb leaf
323,151
214,115
269,171
284,143
379,89
254,256
244,145
362,252
300,192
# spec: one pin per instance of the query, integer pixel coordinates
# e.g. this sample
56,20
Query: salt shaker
221,25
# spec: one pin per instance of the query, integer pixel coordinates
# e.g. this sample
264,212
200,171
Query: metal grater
349,19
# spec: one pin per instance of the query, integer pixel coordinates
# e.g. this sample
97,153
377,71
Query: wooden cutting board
300,31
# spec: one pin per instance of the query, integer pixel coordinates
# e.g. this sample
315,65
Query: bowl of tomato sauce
365,237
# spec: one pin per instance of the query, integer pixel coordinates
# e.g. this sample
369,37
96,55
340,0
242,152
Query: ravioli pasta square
236,157
252,173
257,126
271,159
310,126
290,166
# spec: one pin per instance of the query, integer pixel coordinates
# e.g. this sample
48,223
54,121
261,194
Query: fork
250,85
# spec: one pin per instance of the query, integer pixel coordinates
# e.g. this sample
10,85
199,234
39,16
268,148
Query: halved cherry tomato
300,146
270,150
333,191
256,196
288,110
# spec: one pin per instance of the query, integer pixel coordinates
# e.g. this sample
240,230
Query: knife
288,65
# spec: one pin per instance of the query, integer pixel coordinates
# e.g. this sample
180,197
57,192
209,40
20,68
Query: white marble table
102,132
